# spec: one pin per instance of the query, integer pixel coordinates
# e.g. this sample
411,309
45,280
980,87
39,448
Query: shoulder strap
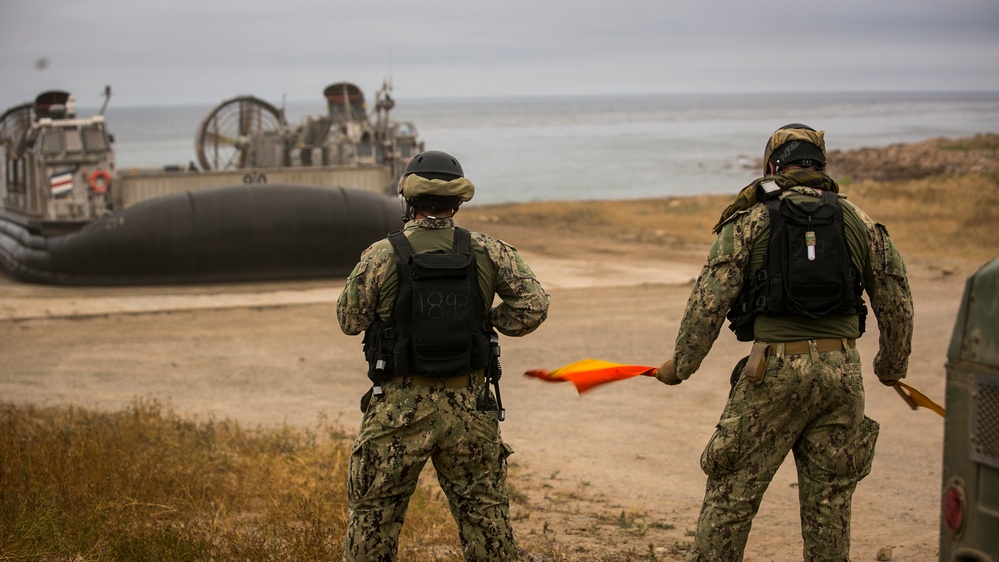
768,190
830,198
773,256
404,292
463,245
403,248
462,241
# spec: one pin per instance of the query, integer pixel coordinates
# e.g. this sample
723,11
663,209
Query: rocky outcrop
978,154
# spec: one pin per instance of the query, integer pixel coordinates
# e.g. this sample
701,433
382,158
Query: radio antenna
107,97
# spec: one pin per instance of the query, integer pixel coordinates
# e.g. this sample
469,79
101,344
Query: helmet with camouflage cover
434,179
794,143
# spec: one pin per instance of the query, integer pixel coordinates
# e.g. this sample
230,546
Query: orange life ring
103,186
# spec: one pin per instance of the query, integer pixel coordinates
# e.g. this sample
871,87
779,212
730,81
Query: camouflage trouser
810,405
400,431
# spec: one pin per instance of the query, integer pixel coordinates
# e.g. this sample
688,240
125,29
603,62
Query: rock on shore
978,154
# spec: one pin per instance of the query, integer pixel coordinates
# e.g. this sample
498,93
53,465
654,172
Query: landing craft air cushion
270,200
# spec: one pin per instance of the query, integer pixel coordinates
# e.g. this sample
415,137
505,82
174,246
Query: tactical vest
440,326
807,270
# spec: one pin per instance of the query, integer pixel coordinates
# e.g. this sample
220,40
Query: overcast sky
204,51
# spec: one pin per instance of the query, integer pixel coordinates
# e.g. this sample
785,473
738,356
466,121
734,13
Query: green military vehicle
969,523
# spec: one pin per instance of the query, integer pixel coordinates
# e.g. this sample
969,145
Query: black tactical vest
440,323
807,270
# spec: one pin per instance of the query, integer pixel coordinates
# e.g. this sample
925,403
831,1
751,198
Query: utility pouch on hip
756,366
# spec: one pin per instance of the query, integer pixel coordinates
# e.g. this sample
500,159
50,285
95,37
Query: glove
667,374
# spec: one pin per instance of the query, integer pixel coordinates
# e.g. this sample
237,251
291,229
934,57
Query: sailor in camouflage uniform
800,390
416,418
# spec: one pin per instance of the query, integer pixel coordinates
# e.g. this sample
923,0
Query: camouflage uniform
410,423
810,404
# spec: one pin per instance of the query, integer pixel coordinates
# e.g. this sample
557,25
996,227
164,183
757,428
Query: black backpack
807,270
440,324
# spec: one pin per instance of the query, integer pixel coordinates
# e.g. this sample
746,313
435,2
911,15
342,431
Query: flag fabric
588,373
61,183
914,399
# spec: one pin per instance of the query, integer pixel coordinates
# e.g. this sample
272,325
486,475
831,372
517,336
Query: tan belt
821,346
448,382
756,364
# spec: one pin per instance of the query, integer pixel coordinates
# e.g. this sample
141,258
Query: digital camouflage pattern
401,430
410,424
811,405
738,251
831,439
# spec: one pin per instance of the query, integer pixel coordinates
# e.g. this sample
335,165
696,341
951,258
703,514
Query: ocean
605,147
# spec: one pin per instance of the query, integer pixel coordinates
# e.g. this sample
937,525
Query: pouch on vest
818,271
442,341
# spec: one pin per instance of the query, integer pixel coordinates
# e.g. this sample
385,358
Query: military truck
969,523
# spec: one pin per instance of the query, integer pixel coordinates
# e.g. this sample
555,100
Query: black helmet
434,165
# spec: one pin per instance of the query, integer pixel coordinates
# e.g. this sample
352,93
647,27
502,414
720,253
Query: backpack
440,323
807,270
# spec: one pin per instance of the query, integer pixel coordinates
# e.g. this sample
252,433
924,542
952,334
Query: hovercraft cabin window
15,175
73,141
53,142
94,139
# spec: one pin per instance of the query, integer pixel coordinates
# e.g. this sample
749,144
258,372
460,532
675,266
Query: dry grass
946,221
677,219
145,484
941,219
986,143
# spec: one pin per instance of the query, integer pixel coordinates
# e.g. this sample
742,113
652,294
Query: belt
756,363
447,382
821,346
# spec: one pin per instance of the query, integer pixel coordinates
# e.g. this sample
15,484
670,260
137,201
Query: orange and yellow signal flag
914,399
589,373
